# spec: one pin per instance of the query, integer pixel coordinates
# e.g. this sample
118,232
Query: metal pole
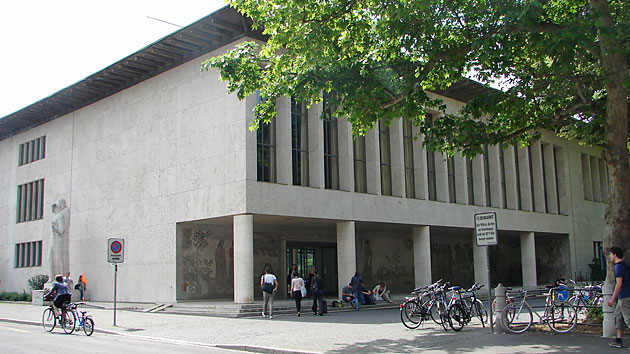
489,288
115,278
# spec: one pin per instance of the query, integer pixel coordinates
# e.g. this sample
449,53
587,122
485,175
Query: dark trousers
297,296
318,298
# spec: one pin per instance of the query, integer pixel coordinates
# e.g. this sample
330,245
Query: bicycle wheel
457,317
481,312
516,319
49,320
444,317
88,326
562,317
68,322
411,314
436,311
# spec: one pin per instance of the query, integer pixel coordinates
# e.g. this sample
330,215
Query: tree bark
617,215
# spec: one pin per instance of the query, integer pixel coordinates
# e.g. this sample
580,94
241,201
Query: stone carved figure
58,239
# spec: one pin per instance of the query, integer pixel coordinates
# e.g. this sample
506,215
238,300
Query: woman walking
297,284
269,285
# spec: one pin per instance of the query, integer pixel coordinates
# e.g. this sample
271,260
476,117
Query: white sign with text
486,229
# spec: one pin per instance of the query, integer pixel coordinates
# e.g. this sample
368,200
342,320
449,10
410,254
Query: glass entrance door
322,256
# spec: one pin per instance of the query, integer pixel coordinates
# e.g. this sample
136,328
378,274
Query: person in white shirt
269,285
381,293
297,284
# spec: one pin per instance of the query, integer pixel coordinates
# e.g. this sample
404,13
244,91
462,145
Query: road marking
14,329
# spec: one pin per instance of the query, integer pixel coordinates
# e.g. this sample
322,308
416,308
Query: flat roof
220,28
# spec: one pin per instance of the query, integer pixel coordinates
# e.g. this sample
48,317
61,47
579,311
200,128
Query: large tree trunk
616,152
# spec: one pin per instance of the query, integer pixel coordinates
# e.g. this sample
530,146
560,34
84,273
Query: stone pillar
397,154
373,163
422,255
346,156
316,146
528,259
480,261
346,253
608,326
243,259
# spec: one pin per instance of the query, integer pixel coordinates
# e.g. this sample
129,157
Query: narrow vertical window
532,190
431,165
486,168
266,151
410,188
360,163
386,161
503,186
452,192
331,148
517,172
470,181
299,142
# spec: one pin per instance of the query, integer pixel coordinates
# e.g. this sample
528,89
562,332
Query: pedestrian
357,289
621,294
309,277
381,293
269,285
297,284
69,282
317,289
62,294
81,286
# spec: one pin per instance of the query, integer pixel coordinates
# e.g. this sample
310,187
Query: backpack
314,287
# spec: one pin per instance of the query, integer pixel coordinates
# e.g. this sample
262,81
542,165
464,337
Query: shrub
595,315
36,282
13,296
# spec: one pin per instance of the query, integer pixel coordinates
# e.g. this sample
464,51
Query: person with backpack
357,289
317,289
269,285
621,294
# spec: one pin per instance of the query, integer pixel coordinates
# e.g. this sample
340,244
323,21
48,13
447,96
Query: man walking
317,289
621,292
357,287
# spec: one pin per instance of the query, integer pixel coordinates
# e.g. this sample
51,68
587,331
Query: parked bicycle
586,298
84,320
423,305
464,306
65,319
559,314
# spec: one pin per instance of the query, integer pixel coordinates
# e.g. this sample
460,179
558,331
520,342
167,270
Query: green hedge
13,296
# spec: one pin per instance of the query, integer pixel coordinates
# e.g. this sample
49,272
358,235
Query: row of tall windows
28,254
531,179
32,151
594,178
30,201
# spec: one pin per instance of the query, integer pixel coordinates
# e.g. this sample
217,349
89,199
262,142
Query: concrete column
243,259
538,185
422,255
460,179
316,146
419,166
480,261
551,194
284,163
528,259
478,180
496,192
441,177
397,158
346,156
346,253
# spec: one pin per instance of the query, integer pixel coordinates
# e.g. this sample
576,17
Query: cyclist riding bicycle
63,295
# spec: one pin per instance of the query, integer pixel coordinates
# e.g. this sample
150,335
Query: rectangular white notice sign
486,229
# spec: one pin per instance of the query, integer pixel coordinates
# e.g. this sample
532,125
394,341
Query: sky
49,45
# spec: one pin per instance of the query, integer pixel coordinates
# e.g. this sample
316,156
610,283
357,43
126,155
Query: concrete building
155,151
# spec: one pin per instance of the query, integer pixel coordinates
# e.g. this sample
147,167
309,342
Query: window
502,166
450,166
410,187
386,158
299,142
331,148
32,151
471,182
28,254
266,151
360,163
517,173
486,168
431,166
30,201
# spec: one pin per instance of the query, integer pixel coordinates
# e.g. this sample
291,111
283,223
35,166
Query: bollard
499,293
608,330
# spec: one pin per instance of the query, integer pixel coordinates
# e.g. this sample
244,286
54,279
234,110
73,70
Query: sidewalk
366,331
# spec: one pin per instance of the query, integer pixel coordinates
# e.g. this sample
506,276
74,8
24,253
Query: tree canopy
563,64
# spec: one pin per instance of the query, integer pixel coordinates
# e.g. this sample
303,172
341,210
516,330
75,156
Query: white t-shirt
268,278
297,284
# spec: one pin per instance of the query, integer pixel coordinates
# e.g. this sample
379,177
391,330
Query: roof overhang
220,28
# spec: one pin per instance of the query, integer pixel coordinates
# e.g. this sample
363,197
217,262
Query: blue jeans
358,297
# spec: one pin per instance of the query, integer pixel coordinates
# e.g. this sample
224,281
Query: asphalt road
27,339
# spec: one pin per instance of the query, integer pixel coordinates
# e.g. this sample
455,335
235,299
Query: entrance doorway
323,256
